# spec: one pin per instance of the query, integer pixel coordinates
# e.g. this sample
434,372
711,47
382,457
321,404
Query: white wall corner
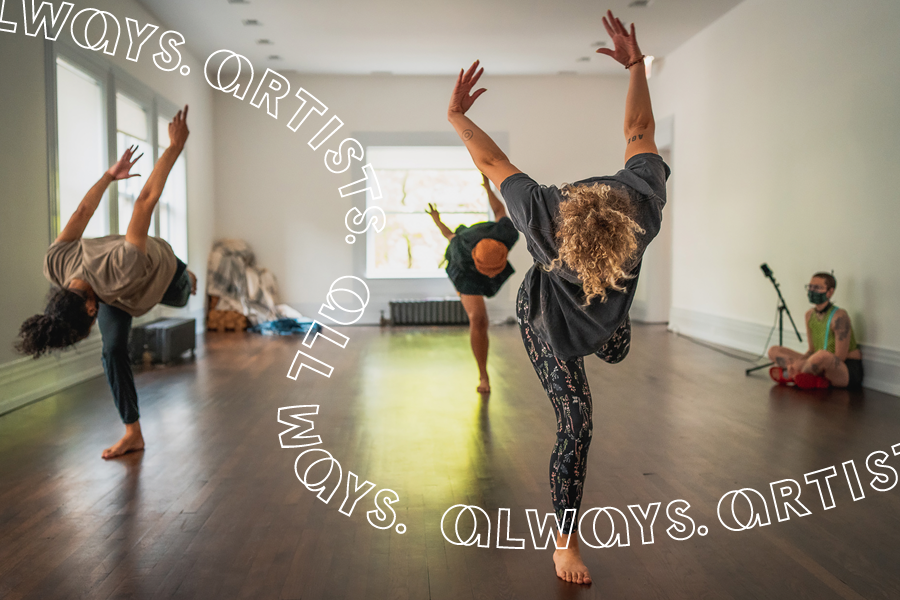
881,365
25,380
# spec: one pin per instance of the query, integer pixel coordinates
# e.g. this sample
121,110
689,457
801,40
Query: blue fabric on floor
284,327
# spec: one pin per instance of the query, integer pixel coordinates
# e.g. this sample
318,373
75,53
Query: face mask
816,297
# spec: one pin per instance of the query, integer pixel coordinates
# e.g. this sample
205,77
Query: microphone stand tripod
782,308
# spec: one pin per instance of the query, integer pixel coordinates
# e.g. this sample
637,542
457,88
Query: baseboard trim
882,365
25,380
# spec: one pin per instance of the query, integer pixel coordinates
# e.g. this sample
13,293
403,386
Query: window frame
113,80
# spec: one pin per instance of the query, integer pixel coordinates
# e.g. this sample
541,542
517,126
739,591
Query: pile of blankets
240,285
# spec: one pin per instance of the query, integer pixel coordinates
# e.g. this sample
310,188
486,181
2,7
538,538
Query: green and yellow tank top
821,335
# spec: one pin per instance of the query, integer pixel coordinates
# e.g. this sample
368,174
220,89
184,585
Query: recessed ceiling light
274,57
567,73
599,44
238,2
584,59
640,3
264,42
250,22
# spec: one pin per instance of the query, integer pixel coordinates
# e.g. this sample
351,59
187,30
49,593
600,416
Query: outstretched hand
461,100
433,211
178,129
121,169
626,47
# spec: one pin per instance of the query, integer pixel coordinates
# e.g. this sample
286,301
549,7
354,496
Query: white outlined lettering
532,516
787,498
482,539
353,151
354,188
756,518
675,506
879,470
292,416
6,26
503,540
316,107
36,20
383,500
615,535
856,489
817,477
163,58
331,304
309,344
642,516
319,486
353,492
302,364
277,84
105,38
322,132
236,86
137,35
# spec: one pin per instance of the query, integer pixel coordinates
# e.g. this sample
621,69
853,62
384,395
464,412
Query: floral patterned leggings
567,387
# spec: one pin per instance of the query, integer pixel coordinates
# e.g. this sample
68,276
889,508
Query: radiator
164,339
445,311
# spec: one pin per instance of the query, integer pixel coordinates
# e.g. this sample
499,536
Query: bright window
86,132
173,203
132,129
411,246
81,127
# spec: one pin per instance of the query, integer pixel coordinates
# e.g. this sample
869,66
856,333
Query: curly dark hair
64,322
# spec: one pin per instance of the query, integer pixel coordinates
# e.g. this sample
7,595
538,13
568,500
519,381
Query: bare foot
569,566
132,441
484,386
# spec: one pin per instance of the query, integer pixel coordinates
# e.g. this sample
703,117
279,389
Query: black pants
567,387
115,327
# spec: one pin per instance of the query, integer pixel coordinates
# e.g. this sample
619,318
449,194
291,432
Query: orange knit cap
490,257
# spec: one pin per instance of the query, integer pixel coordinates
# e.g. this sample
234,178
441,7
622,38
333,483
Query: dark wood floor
212,508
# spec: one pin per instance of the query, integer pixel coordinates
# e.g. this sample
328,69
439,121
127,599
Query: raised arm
496,206
149,196
436,217
487,156
639,124
79,220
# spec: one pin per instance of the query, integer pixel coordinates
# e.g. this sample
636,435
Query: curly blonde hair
597,237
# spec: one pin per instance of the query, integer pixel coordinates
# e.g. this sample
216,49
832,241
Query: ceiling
430,37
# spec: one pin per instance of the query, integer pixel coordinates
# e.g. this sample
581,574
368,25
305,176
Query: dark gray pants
115,327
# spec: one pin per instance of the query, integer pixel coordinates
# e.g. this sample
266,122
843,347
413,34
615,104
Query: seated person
477,267
833,357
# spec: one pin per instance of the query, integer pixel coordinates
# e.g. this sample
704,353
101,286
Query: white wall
24,224
275,192
787,136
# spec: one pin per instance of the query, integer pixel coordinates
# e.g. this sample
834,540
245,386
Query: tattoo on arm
635,138
467,134
781,362
842,327
815,368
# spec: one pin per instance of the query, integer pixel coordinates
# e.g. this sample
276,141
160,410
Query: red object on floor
777,375
808,381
